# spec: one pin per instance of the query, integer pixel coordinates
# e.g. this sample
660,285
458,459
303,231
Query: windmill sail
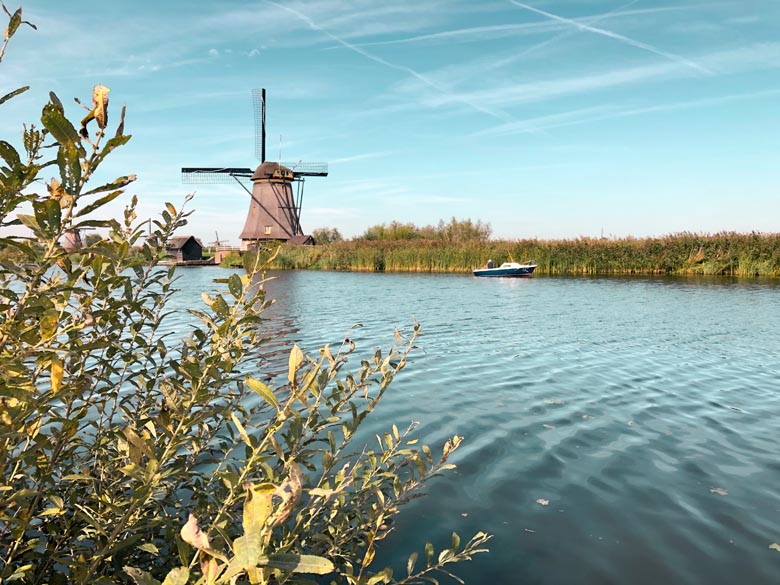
274,210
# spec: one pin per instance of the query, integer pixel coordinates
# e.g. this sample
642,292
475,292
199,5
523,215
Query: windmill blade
212,175
258,107
302,169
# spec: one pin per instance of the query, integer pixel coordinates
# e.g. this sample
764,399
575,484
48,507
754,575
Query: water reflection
623,401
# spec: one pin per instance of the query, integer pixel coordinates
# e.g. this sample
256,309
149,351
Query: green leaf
149,547
99,203
263,391
234,286
48,214
69,163
30,222
14,23
9,154
111,144
140,577
115,184
22,247
455,542
13,94
58,125
298,563
428,554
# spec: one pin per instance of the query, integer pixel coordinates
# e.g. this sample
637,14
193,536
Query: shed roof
178,242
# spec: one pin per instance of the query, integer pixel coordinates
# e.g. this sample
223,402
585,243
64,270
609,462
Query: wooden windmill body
276,195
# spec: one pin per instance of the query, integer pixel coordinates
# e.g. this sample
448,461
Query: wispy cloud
613,35
609,112
363,156
488,32
403,68
505,95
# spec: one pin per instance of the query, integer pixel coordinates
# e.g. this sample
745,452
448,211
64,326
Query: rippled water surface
624,402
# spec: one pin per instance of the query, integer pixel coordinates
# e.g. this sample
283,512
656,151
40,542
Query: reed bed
733,254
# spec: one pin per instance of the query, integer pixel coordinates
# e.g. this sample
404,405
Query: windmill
275,207
217,243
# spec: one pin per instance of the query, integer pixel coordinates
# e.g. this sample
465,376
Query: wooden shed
184,248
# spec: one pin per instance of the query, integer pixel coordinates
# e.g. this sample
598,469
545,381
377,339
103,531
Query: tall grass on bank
725,253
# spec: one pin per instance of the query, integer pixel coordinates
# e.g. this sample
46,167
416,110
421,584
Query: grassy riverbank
732,254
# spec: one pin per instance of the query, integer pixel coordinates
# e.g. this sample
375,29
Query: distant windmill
217,243
72,240
274,211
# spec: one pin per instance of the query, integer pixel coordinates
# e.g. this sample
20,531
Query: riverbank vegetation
128,455
727,253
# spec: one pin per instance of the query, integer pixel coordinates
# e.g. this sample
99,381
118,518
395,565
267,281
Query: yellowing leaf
296,357
775,546
100,104
258,507
56,374
179,576
208,299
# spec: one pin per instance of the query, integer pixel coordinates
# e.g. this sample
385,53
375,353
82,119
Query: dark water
623,402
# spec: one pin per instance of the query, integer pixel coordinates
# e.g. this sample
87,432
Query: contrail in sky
405,69
616,36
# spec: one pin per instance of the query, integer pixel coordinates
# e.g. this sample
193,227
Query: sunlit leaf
410,563
178,576
56,374
258,507
48,323
298,563
193,535
140,577
241,429
263,391
296,357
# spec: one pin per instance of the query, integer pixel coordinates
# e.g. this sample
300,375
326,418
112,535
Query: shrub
126,454
326,236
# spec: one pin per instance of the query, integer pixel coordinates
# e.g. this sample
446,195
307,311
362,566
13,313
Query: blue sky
545,118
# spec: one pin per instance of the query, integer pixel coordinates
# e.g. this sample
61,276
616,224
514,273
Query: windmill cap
271,170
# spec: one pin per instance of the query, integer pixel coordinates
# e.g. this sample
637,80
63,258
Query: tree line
452,231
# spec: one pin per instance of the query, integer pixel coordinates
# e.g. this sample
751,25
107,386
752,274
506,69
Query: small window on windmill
268,230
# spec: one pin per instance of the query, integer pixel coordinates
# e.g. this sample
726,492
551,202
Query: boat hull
515,272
